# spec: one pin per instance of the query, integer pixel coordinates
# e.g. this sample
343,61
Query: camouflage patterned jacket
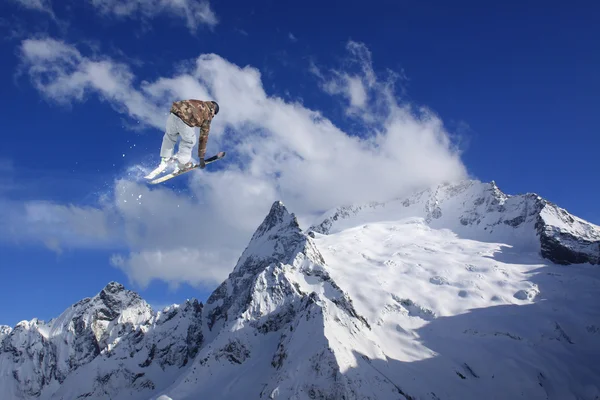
196,113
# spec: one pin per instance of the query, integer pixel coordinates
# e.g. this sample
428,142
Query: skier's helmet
216,107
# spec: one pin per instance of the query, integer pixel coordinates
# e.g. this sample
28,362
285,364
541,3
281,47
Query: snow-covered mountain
481,211
110,346
459,292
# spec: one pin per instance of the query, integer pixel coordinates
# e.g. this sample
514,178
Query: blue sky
86,90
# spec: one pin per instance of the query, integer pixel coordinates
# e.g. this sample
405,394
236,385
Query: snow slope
464,319
481,211
446,295
398,309
265,324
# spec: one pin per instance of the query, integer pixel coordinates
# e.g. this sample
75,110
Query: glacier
457,292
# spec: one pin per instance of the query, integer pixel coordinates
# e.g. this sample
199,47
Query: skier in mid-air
185,115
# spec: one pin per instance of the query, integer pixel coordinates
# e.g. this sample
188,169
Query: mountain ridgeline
483,212
435,296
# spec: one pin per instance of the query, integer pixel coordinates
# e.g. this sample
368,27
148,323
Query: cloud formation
279,150
368,97
193,12
62,74
56,225
37,5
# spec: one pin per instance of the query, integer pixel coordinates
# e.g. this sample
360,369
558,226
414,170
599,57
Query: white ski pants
176,127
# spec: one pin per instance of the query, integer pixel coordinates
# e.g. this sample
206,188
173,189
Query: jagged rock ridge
113,341
123,349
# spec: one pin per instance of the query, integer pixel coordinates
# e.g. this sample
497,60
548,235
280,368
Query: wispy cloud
36,5
19,29
193,12
56,225
62,74
279,150
368,97
292,37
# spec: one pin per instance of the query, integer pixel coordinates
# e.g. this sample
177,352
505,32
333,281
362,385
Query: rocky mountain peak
39,358
113,288
114,298
277,220
4,331
277,241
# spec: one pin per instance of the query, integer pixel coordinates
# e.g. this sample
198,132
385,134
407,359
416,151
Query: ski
158,170
207,161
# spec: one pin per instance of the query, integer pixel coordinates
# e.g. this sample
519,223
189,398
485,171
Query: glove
202,163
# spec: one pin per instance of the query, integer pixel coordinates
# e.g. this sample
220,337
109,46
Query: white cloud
19,29
37,5
177,266
62,74
55,225
277,150
193,12
356,92
53,244
358,84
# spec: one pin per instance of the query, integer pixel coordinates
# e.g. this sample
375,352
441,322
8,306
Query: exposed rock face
278,240
4,331
566,239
